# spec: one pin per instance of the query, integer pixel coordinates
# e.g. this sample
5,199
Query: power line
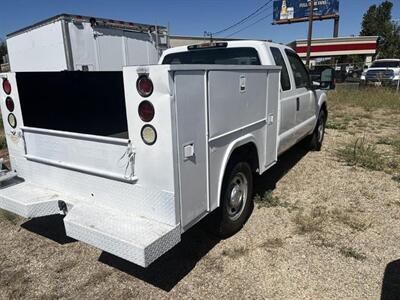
252,24
244,19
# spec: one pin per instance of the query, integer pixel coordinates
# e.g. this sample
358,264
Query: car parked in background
382,72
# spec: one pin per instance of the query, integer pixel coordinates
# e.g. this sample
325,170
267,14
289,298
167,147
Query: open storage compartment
80,102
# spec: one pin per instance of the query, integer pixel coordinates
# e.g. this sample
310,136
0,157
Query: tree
3,50
378,21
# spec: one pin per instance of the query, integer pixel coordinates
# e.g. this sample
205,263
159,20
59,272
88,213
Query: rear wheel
315,141
236,200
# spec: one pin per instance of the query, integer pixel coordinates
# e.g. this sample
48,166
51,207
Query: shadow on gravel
172,267
268,180
391,281
51,227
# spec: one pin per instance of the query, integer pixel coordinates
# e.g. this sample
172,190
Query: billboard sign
286,11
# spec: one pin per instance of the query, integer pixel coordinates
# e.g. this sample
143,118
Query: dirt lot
326,225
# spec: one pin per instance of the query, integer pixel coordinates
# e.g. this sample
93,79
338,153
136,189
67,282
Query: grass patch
352,221
235,252
361,153
390,141
310,222
350,252
336,125
269,200
369,99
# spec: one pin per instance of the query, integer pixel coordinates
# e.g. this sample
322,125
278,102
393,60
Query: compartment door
192,144
273,118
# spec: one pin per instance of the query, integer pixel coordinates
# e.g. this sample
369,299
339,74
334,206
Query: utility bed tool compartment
96,155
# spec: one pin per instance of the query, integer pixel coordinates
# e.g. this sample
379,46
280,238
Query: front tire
316,139
236,200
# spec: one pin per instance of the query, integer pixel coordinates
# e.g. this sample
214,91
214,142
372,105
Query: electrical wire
252,24
252,15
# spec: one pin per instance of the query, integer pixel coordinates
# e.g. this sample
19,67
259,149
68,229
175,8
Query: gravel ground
327,231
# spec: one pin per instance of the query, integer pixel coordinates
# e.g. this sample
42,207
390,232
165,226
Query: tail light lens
12,120
6,86
149,134
146,111
10,104
144,86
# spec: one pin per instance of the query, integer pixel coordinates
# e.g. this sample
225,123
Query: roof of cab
231,44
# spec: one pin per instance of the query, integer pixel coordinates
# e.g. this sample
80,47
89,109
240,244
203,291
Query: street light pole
310,29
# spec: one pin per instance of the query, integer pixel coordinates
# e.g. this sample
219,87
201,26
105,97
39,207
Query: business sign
287,11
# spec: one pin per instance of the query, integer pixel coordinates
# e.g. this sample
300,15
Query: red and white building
331,47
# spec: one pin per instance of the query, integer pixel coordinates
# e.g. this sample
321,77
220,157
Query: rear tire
236,200
314,141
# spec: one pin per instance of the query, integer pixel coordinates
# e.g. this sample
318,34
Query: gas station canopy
328,47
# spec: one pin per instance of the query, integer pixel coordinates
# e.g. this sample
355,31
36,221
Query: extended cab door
287,103
305,99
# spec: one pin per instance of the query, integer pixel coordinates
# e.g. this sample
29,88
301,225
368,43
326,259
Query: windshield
225,56
386,64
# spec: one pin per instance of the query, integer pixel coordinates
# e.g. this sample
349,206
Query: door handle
188,151
297,103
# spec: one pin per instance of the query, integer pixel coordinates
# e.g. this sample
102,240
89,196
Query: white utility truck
134,159
71,42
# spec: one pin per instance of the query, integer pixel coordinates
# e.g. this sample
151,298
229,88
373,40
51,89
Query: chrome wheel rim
237,196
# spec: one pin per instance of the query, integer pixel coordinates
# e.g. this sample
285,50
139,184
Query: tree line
378,21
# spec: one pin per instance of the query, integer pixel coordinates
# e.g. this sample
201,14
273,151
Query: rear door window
300,73
279,61
224,56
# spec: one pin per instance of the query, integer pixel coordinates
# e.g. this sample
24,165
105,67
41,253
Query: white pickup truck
134,159
384,72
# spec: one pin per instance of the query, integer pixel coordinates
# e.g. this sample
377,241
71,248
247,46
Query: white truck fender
322,99
243,140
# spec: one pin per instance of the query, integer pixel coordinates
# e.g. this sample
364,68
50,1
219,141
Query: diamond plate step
136,239
28,200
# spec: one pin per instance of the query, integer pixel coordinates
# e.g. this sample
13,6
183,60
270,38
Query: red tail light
144,86
6,86
146,111
10,104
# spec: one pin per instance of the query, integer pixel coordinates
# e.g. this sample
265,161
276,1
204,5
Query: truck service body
138,162
71,42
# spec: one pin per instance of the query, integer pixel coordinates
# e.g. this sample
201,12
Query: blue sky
186,17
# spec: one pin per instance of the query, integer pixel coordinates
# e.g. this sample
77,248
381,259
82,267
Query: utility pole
310,29
336,27
208,34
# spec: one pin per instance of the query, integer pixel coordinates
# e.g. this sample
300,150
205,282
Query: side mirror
323,78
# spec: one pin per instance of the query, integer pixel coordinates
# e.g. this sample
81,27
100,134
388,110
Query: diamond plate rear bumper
28,200
136,239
